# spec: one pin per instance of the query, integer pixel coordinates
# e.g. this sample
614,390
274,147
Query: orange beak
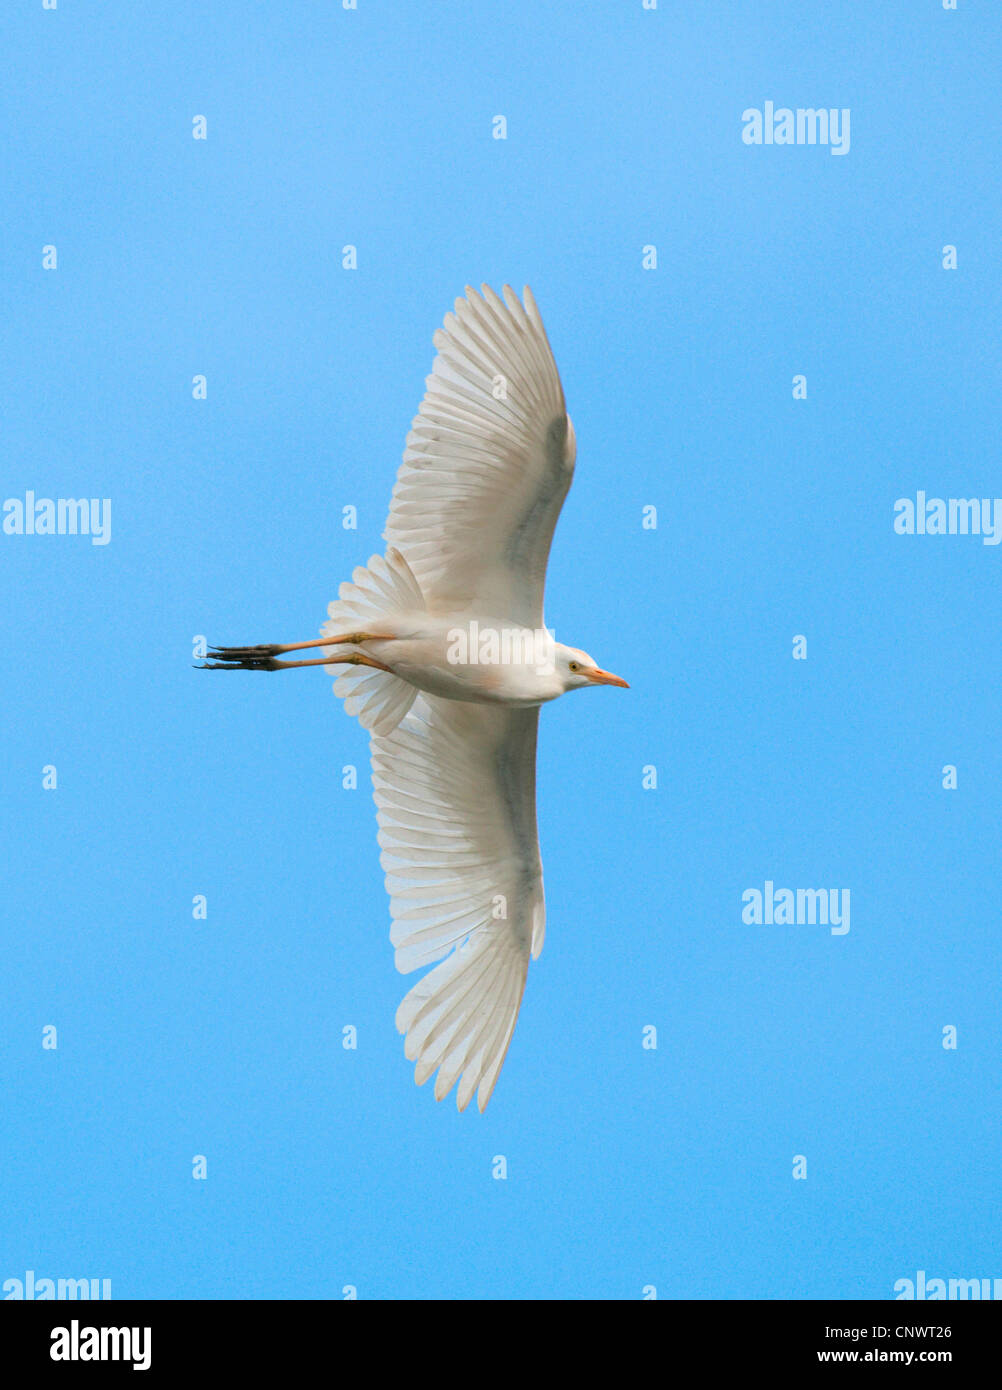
598,677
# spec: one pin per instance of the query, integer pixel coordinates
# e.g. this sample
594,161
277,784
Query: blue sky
627,1168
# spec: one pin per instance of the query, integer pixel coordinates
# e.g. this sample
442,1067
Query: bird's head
577,669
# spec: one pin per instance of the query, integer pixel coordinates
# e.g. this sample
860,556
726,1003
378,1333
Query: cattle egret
448,662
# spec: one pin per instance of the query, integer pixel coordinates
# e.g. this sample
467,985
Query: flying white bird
449,660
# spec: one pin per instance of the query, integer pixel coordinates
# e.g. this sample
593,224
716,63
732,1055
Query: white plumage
455,788
486,467
488,462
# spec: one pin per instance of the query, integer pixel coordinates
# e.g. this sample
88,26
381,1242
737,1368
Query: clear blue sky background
223,1037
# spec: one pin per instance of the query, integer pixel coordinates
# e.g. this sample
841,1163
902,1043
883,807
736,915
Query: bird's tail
385,588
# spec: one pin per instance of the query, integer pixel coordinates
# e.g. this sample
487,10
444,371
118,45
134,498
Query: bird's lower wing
455,787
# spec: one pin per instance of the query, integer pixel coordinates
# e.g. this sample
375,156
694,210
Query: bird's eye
573,666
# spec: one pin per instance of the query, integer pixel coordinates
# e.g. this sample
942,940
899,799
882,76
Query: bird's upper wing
487,464
455,784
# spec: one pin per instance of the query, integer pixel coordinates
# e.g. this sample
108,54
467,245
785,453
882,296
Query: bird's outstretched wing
487,464
455,787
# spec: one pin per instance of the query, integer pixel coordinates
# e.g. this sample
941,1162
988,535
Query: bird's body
448,660
484,660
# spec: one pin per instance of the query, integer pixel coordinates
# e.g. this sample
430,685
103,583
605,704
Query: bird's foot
261,658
